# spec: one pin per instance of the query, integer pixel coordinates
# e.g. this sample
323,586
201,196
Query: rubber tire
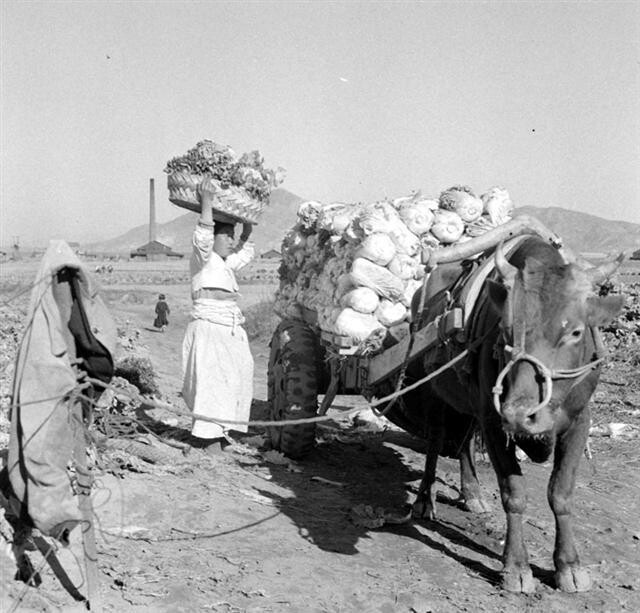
292,385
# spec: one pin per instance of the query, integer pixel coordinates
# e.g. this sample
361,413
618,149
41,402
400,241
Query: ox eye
574,336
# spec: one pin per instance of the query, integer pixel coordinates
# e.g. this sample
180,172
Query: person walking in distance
162,310
216,359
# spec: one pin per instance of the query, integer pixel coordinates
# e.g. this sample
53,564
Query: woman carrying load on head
216,360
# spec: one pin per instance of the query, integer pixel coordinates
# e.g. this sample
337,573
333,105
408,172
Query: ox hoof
422,509
474,505
519,580
573,579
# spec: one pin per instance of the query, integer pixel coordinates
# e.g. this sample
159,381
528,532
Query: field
249,531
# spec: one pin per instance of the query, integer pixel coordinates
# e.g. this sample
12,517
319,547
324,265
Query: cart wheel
293,386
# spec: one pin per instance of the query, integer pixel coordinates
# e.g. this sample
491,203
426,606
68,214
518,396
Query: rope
414,329
34,572
548,374
86,381
284,422
48,280
122,426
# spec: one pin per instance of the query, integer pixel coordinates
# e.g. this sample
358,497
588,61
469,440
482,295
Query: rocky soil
248,530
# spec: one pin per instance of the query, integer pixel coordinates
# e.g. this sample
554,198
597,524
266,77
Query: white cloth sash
223,312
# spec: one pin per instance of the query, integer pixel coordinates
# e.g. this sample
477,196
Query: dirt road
241,533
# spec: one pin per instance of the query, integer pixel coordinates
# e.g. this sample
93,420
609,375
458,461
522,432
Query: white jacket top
208,269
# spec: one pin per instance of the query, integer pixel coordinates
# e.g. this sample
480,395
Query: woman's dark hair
224,228
161,297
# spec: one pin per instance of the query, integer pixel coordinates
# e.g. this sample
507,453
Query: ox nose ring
541,369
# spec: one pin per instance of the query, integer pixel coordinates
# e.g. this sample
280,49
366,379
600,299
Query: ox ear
604,271
497,293
602,309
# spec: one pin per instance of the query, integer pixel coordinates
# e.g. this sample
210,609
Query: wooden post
85,483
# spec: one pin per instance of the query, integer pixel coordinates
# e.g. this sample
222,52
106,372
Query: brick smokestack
152,211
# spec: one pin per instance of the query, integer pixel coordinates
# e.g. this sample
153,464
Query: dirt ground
248,531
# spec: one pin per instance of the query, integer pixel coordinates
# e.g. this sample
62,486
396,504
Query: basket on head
232,203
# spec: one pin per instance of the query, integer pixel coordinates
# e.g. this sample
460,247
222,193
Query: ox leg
570,576
424,506
516,573
470,499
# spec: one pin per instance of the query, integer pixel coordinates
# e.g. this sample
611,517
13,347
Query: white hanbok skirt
218,376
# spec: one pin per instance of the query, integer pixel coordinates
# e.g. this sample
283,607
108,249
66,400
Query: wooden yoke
518,226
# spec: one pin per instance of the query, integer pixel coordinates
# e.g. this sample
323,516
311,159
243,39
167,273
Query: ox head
548,317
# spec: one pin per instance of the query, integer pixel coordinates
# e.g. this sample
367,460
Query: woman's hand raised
206,192
247,229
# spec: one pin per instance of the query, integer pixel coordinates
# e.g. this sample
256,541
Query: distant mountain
579,231
587,233
274,222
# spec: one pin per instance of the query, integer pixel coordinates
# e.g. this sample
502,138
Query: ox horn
604,271
571,257
507,271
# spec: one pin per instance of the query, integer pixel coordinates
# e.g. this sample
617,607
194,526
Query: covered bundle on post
70,337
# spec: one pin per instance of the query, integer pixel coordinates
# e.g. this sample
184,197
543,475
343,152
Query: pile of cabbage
358,265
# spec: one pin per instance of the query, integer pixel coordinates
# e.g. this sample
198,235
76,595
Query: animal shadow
335,479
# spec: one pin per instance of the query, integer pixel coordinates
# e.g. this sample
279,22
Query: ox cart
306,362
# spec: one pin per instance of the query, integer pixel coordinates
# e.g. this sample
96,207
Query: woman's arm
244,250
247,229
206,195
203,234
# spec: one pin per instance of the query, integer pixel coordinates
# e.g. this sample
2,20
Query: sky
357,101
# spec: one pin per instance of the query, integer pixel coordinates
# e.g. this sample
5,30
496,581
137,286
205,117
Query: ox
534,363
